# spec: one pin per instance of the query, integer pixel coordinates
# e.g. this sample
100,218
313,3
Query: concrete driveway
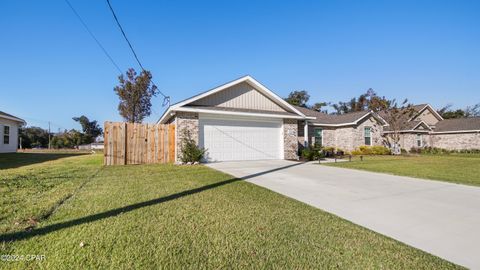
437,217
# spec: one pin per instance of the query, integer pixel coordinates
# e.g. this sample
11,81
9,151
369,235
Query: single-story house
427,128
240,120
244,120
345,131
9,125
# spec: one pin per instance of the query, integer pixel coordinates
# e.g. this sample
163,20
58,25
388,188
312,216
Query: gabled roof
412,126
337,119
419,108
471,124
11,117
184,105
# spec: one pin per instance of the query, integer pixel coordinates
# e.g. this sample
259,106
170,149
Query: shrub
380,150
442,151
371,150
313,153
190,151
415,150
469,151
307,153
329,151
356,152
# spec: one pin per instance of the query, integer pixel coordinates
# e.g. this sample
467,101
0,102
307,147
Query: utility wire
166,99
93,36
124,35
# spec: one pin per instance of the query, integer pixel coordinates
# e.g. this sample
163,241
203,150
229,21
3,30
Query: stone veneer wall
456,141
376,133
346,138
290,142
185,120
328,135
409,140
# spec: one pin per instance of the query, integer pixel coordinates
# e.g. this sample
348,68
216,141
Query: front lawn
456,168
166,216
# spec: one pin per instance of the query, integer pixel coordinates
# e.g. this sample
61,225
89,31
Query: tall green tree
447,113
301,98
69,139
33,137
318,106
470,111
91,129
135,93
298,98
370,100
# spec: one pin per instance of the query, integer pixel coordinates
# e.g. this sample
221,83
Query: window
419,140
367,135
6,135
318,132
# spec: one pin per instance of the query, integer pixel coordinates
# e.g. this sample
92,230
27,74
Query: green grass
455,168
30,193
166,216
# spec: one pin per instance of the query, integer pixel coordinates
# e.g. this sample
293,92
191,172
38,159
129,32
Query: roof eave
18,120
254,114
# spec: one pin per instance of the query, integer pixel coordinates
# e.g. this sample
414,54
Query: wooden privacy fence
129,143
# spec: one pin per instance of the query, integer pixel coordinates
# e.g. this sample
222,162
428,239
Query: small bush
356,152
329,151
190,151
340,152
469,151
313,153
380,150
442,151
308,153
371,150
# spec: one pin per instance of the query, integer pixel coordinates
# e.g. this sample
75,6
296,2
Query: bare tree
397,116
472,111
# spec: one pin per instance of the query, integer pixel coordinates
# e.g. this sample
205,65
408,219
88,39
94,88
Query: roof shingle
458,124
331,119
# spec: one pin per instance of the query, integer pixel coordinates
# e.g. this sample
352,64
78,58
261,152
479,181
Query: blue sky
427,51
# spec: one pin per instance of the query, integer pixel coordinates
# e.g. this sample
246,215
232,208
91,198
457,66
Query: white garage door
240,138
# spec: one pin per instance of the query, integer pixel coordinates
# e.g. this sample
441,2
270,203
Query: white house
9,125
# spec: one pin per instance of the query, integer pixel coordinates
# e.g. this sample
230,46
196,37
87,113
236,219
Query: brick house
426,128
244,120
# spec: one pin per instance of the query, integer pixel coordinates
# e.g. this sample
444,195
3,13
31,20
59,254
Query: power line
124,35
93,36
166,99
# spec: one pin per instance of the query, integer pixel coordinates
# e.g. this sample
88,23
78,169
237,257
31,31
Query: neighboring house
345,131
243,120
9,125
427,128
